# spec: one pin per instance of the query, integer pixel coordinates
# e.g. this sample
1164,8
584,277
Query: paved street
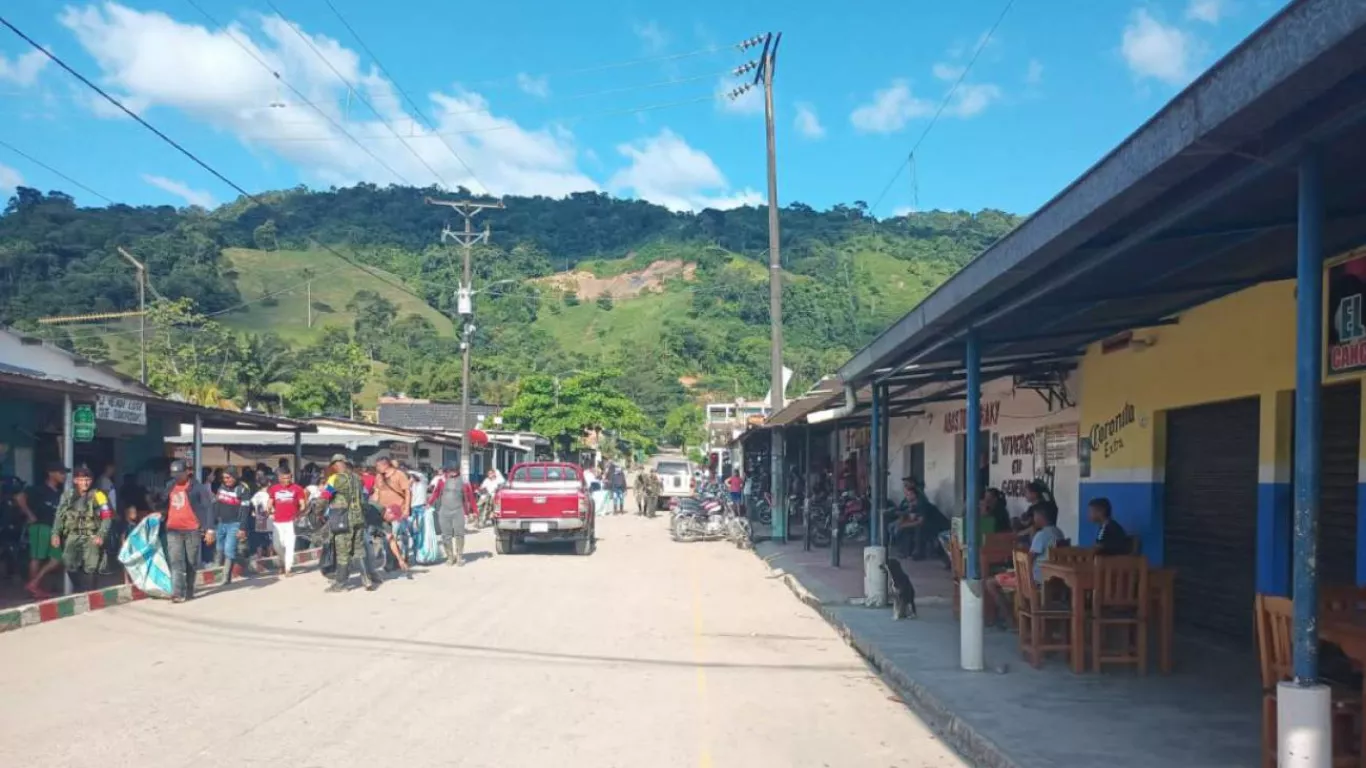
649,653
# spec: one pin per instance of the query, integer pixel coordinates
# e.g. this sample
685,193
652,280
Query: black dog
904,591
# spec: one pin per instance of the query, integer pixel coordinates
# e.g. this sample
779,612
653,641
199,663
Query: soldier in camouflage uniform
81,528
345,495
639,489
653,488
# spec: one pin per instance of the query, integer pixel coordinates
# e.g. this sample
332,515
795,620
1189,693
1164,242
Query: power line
280,79
54,171
981,46
612,65
358,93
412,103
192,156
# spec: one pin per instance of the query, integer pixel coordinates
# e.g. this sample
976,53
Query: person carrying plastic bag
141,555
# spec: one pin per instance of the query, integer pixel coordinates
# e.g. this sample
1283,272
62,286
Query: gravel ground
648,653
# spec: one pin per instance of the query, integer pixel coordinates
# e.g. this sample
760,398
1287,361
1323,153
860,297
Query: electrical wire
981,46
307,41
280,79
53,171
412,103
193,157
613,65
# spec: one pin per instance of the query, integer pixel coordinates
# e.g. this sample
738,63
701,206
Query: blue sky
551,98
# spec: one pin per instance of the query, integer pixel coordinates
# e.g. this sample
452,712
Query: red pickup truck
545,502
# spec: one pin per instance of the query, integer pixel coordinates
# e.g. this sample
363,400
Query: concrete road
648,653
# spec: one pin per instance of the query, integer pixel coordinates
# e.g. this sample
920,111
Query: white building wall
1017,455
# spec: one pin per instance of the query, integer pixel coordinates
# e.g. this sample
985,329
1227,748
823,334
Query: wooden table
1348,632
1080,579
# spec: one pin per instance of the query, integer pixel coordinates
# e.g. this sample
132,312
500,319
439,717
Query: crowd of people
385,515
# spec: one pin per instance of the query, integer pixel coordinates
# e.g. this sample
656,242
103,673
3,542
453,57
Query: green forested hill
658,298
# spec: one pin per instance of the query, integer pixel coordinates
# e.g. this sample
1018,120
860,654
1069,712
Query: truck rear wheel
584,544
503,545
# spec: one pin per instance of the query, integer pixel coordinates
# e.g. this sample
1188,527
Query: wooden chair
1038,622
1274,618
956,564
1082,556
1120,600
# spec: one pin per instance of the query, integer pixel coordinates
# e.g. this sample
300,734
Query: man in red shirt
287,498
189,505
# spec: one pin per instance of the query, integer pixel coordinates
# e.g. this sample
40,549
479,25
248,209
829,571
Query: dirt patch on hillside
624,286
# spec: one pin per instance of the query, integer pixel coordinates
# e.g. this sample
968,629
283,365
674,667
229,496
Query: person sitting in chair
1111,538
916,523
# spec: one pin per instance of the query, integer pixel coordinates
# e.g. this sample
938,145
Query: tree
605,302
374,314
685,426
264,361
264,236
568,410
189,355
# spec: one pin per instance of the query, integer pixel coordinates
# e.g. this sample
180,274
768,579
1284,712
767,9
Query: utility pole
310,303
142,308
763,76
464,305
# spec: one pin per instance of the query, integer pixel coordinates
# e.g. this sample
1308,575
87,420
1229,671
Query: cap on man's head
57,466
336,457
229,472
177,467
82,471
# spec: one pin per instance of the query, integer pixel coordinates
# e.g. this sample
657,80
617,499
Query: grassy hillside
262,272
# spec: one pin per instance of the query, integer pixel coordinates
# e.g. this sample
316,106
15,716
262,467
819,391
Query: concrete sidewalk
1206,714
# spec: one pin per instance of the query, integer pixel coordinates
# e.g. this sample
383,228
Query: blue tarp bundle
426,542
146,563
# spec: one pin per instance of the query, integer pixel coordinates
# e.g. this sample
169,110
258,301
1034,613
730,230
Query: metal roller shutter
1210,532
1338,493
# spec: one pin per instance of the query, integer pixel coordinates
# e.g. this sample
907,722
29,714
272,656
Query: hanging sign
83,424
124,410
1346,327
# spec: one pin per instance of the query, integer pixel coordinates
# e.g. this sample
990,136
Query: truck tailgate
538,503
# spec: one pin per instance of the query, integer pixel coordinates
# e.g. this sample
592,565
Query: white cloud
181,190
890,110
652,36
154,61
808,122
533,86
972,99
903,210
751,102
664,169
23,69
948,72
10,178
1156,50
1208,11
1034,74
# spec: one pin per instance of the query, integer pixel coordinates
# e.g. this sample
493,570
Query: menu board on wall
1346,326
1060,444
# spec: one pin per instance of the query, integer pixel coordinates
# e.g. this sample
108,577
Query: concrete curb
29,615
958,734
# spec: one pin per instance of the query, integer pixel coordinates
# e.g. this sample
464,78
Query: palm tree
265,360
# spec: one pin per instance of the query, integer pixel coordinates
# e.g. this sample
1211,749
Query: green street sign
83,423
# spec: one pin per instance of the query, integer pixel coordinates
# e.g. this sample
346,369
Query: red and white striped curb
74,605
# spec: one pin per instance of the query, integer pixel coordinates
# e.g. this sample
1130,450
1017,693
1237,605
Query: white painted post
874,580
1304,726
69,461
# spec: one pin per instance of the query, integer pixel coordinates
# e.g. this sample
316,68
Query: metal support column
970,641
835,465
778,484
1303,716
874,555
806,491
68,461
880,511
876,462
197,445
298,453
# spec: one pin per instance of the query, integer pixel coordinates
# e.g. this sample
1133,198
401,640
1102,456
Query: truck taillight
583,506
